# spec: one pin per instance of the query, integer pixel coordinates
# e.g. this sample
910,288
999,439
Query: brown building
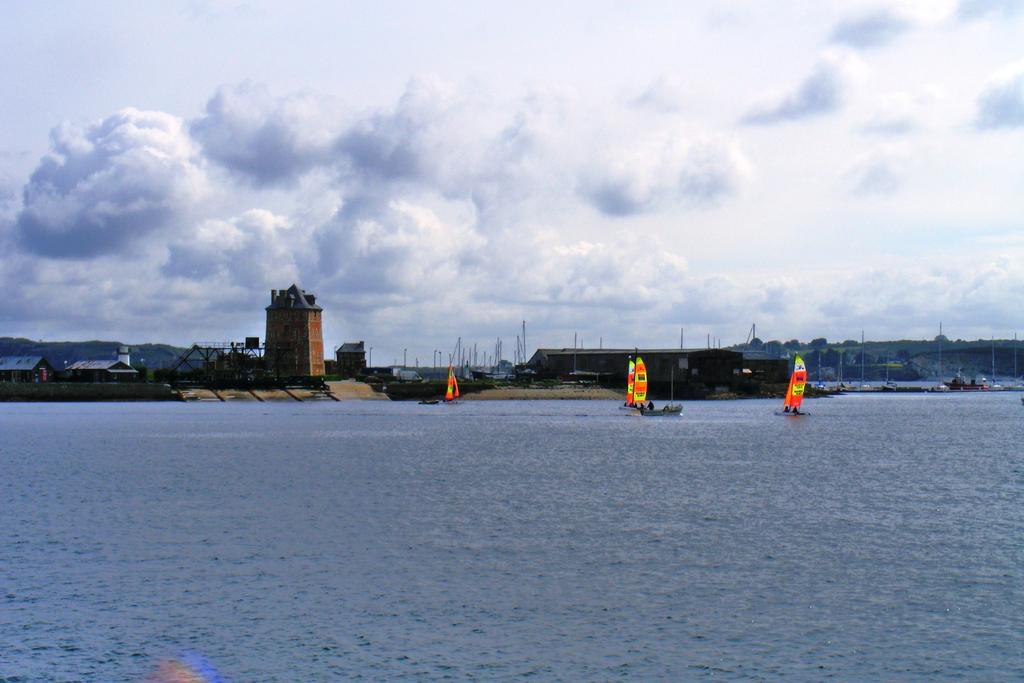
351,358
295,337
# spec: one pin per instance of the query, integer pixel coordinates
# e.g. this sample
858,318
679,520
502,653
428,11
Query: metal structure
230,363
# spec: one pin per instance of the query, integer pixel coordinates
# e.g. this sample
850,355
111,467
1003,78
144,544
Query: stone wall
83,391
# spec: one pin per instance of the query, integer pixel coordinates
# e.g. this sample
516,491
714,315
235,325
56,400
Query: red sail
797,382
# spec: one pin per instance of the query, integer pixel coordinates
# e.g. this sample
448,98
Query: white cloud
1001,102
983,9
665,94
254,251
900,113
668,167
820,93
871,29
107,185
881,171
265,138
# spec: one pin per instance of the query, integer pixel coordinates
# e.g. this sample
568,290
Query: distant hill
59,353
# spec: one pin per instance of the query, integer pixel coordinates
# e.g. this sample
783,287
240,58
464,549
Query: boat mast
940,352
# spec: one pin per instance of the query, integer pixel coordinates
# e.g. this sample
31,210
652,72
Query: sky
610,172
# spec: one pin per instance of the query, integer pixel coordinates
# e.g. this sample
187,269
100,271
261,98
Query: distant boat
960,383
795,391
452,392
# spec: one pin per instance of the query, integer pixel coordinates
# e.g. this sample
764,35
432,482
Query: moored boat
960,383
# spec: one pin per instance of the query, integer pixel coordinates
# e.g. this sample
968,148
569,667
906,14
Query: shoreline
351,390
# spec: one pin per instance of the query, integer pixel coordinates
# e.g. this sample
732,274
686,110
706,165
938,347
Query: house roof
293,297
351,347
111,365
20,362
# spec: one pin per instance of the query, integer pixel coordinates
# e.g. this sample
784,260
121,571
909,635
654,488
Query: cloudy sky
441,169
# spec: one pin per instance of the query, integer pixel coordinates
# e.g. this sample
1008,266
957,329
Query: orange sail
797,382
452,387
455,384
640,381
629,383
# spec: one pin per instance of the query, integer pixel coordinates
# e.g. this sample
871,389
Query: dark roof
20,362
111,365
293,297
351,347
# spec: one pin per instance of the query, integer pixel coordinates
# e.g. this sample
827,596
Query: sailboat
795,391
639,382
672,408
628,405
452,392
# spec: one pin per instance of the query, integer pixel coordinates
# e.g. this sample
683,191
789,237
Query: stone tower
295,337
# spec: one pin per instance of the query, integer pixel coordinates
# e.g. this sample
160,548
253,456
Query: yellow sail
450,394
797,382
629,383
640,381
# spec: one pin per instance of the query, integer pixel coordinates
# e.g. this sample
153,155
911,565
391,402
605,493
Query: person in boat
650,405
796,411
786,409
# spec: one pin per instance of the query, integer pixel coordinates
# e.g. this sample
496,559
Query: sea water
881,537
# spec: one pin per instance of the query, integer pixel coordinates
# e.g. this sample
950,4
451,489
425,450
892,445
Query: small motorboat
429,402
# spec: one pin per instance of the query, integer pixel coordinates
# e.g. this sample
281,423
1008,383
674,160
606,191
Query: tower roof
293,297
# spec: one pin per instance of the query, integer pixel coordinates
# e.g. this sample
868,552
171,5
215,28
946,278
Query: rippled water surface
881,537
